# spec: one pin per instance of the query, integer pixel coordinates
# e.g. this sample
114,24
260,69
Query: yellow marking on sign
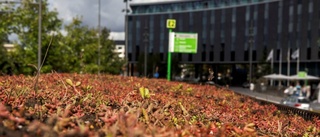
171,23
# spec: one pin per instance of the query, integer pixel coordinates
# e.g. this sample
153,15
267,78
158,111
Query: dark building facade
226,31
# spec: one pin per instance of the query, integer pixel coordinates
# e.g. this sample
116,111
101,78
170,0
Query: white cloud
117,35
111,13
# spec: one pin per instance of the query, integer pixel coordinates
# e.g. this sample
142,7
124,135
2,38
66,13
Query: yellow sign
171,23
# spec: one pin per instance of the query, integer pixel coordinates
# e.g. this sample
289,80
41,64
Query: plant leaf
146,93
142,92
69,81
78,83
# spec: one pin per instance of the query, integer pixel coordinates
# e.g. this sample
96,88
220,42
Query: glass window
180,22
162,23
138,23
204,25
211,36
255,18
223,16
212,17
291,10
130,36
280,18
161,41
309,38
299,9
266,11
310,6
191,21
151,32
234,14
138,29
247,13
291,18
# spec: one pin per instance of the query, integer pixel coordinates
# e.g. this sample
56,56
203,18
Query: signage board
180,42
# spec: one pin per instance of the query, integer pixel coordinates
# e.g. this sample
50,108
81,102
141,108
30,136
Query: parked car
297,102
245,85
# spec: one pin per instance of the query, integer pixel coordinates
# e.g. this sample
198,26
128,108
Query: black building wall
216,44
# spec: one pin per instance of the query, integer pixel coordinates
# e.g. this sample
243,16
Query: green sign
302,74
171,23
183,42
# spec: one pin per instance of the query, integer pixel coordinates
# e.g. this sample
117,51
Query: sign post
180,42
171,24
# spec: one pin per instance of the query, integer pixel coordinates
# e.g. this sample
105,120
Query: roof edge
161,2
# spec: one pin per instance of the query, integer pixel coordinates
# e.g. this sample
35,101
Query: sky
111,13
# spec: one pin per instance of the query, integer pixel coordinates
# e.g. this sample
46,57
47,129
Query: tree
72,52
110,61
23,21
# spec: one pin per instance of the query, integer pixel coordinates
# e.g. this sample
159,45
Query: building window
222,52
223,18
138,29
130,56
189,57
137,52
151,33
203,52
211,56
233,33
204,26
130,37
291,18
246,55
191,21
254,55
233,55
310,6
212,20
308,53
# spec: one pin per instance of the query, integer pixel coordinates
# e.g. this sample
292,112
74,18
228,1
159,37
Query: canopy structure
292,77
277,77
306,77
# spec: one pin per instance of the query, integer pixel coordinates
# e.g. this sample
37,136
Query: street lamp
126,10
251,41
146,36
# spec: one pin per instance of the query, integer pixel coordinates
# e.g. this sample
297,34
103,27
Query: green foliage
75,51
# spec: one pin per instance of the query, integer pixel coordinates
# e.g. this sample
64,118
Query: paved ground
272,96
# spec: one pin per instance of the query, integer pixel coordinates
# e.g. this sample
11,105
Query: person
303,91
211,76
297,89
289,91
156,74
318,88
251,86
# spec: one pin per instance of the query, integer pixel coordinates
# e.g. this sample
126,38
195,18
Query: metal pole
145,60
145,51
126,39
169,62
39,36
250,56
298,61
99,31
288,65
